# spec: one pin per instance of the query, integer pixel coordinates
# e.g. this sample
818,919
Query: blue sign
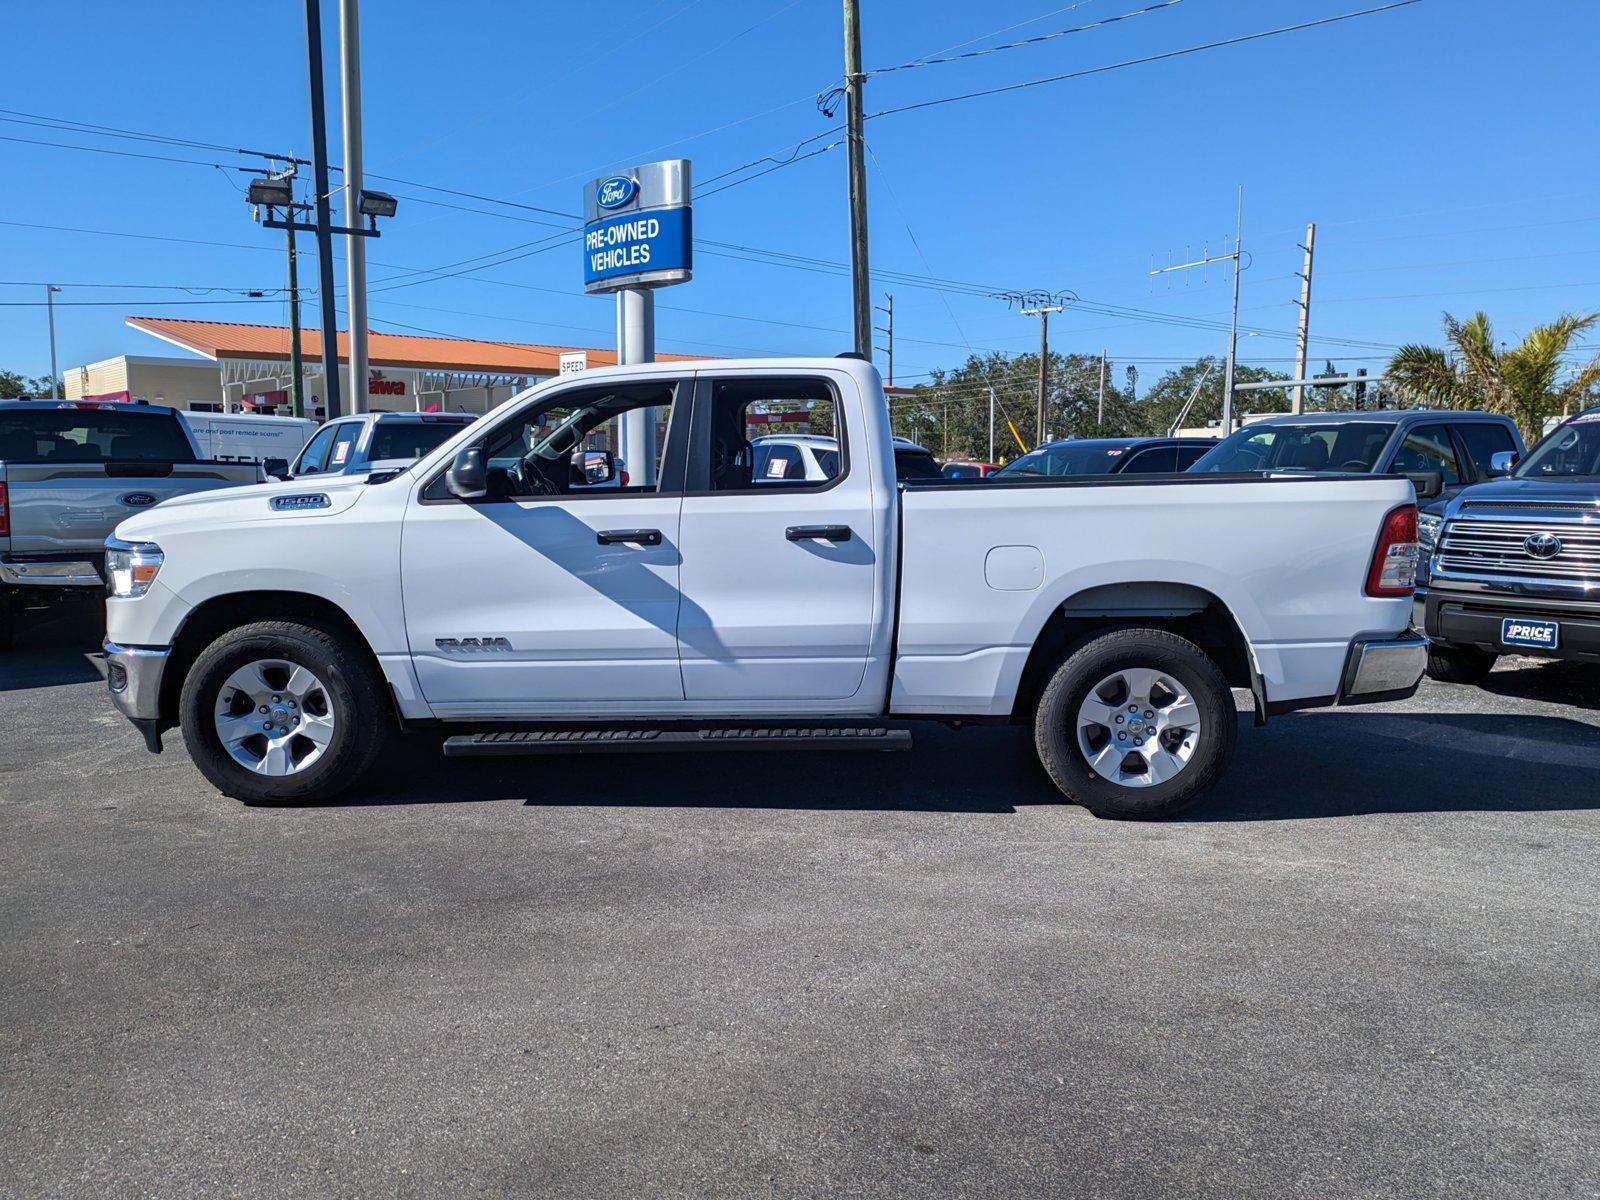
637,244
616,191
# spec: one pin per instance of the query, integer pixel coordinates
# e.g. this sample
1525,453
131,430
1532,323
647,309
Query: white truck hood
297,499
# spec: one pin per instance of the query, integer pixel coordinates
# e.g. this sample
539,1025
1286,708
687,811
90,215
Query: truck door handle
821,533
642,537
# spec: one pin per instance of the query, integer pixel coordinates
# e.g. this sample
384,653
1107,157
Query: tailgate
73,507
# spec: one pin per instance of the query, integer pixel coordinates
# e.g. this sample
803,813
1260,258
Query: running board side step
662,741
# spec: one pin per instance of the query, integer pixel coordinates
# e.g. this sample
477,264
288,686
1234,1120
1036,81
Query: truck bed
985,564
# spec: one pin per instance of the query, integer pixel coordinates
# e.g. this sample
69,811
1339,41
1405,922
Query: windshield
410,439
1571,451
91,435
1324,446
1082,458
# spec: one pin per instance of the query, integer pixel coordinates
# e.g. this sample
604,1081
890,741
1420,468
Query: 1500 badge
472,644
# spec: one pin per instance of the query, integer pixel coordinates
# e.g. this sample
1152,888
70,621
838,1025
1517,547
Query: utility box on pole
638,236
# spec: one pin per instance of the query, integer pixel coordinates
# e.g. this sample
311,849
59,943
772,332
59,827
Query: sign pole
636,343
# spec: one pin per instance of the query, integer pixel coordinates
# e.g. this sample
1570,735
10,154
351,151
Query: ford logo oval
139,499
616,191
1542,545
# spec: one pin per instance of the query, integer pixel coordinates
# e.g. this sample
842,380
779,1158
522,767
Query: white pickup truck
289,628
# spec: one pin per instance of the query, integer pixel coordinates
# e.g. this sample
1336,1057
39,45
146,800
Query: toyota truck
69,471
1513,565
478,596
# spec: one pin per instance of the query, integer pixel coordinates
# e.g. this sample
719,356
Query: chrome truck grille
1526,540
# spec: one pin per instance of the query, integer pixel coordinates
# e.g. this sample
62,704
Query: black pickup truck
1512,566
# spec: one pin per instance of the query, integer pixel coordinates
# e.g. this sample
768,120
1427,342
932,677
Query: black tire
1056,723
1459,664
353,691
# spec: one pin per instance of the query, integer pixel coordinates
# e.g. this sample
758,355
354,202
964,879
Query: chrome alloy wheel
274,717
1138,727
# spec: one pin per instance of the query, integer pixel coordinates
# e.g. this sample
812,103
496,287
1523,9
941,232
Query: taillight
1394,560
623,476
5,512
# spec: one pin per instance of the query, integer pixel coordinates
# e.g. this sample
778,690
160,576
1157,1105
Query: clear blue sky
1446,152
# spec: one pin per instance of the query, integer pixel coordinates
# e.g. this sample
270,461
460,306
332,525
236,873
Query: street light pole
355,252
324,232
50,291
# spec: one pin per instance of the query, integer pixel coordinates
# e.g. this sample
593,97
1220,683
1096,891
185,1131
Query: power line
1149,58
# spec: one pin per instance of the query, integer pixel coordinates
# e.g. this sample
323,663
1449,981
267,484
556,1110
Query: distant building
245,368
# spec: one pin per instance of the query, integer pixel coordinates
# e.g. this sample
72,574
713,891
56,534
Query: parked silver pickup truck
69,472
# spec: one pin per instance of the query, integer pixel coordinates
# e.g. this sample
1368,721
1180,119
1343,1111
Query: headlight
1428,526
131,567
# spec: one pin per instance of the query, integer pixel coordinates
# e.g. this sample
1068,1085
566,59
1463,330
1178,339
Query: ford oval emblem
1542,545
616,191
139,499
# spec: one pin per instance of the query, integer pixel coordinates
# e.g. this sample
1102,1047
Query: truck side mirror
278,468
1501,462
466,477
1428,484
591,467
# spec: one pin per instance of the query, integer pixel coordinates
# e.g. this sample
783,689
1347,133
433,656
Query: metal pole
355,259
991,426
297,395
1044,375
1233,324
50,291
890,299
1303,340
636,343
1100,409
860,279
319,183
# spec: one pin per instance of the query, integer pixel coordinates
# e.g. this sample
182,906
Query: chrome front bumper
133,677
48,572
1386,668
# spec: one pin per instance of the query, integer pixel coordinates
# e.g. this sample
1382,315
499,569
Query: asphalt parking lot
1368,966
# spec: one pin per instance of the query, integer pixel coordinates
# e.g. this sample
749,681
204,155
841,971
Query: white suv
814,457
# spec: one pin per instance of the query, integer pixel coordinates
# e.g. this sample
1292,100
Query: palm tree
1520,382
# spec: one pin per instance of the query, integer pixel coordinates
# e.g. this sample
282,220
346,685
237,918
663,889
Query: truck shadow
50,650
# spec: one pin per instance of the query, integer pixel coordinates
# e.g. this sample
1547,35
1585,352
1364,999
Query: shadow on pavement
50,650
1548,680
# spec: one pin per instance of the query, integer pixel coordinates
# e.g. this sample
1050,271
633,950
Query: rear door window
1189,455
1156,459
1428,448
343,450
1483,440
410,439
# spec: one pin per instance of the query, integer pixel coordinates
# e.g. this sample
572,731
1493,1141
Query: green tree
19,387
1166,397
1523,382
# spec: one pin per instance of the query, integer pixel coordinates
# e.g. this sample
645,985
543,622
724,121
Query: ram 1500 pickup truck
69,471
1513,565
288,628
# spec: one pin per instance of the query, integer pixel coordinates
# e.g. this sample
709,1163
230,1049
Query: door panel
583,621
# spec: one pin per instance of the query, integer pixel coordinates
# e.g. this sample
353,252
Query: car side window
1483,440
344,446
1151,461
562,447
1189,455
1429,448
315,456
742,443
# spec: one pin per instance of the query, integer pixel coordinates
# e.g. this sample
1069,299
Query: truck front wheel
280,712
1459,664
1136,724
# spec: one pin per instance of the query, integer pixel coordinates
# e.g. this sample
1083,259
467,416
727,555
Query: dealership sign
637,229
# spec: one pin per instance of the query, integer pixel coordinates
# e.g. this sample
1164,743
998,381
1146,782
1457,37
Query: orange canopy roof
226,339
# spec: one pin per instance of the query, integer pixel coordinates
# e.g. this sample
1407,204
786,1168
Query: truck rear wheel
1459,664
281,712
1136,724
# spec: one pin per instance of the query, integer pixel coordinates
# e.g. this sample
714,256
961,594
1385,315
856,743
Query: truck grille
1501,547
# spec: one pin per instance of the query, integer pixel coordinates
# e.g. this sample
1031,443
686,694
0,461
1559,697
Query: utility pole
1100,408
860,280
355,260
1303,339
1042,311
297,396
991,426
1237,258
888,331
324,231
50,291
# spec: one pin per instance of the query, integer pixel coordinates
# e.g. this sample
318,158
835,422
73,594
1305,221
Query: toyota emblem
1542,545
